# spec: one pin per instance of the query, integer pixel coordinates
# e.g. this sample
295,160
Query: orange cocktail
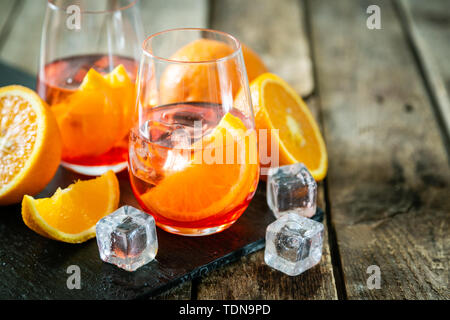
193,160
93,107
191,182
87,71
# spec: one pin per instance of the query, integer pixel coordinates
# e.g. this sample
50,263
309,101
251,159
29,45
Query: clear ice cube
127,238
291,188
293,244
169,135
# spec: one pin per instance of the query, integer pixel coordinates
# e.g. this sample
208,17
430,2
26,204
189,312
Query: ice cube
160,133
293,244
127,238
291,188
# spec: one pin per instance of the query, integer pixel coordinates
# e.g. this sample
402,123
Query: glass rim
232,55
54,6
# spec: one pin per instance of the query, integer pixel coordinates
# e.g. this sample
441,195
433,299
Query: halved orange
30,144
71,214
277,106
201,82
204,189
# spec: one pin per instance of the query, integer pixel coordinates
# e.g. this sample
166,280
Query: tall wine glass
88,67
193,160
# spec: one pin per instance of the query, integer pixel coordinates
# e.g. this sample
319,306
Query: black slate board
33,267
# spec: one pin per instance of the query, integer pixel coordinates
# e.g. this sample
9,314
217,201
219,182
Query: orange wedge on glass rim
71,214
30,144
276,105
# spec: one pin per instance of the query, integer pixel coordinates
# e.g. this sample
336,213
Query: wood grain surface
388,177
275,30
427,25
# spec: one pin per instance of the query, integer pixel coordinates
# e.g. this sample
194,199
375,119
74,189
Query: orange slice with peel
30,144
202,190
97,115
122,90
71,214
276,105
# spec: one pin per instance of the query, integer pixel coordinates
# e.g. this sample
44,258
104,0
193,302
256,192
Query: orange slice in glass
202,190
96,116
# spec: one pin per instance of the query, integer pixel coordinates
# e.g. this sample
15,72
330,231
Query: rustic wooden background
382,100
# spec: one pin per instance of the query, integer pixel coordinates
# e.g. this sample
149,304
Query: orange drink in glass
193,160
87,76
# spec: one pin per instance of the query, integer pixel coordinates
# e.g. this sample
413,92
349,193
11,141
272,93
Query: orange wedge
30,144
277,106
203,189
122,90
71,214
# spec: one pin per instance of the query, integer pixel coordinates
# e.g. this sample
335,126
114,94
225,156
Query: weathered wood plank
162,15
388,170
22,45
275,30
428,24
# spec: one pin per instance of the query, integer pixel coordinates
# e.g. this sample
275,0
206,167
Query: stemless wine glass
88,65
193,160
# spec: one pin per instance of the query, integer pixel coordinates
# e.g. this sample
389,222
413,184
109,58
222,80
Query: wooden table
382,100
